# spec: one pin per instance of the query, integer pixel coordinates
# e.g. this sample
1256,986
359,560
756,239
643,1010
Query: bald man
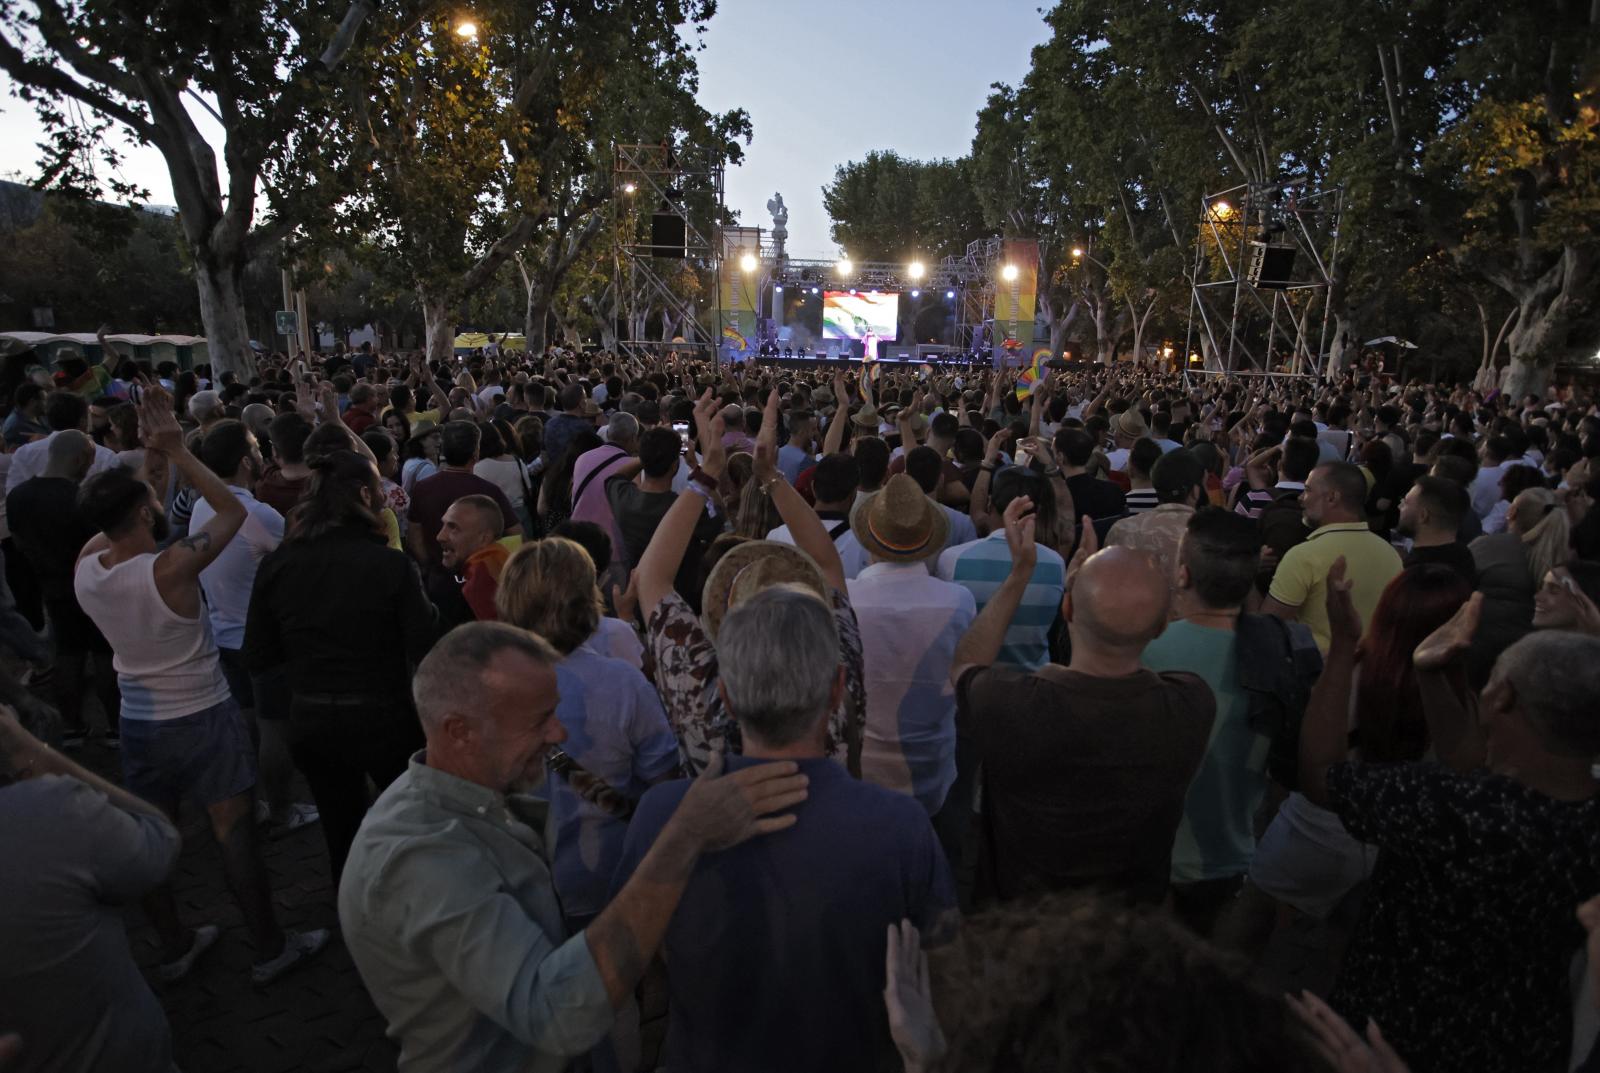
1085,767
472,559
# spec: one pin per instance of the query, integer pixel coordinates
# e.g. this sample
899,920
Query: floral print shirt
686,678
1465,939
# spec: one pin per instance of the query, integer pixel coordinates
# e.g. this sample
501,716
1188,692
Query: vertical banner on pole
736,335
1015,301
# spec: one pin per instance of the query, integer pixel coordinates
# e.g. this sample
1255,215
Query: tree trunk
535,322
222,314
1546,307
1104,344
438,325
1344,345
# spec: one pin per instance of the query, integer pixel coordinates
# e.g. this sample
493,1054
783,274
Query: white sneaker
204,937
298,946
299,815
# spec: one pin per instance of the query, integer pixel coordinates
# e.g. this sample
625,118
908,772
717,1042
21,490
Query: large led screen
853,316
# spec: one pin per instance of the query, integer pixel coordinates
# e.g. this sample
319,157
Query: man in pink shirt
617,457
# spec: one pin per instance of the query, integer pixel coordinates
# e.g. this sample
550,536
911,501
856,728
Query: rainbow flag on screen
1029,378
732,333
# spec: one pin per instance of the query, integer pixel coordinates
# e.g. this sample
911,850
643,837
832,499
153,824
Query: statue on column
780,228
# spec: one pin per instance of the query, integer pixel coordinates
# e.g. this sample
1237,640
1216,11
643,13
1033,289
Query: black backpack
1279,663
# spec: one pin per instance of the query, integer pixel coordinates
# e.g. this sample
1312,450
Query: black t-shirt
1094,497
1084,778
49,531
1455,555
637,514
434,495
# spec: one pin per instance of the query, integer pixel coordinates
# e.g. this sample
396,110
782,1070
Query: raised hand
908,998
766,457
996,444
1442,646
158,425
626,600
721,811
710,427
1346,1051
1343,619
1020,521
1088,544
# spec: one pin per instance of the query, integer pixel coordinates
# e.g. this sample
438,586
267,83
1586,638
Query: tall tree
887,208
267,72
514,156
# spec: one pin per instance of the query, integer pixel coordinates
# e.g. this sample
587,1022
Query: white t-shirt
232,574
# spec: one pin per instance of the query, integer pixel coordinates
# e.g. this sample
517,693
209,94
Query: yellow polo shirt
1301,580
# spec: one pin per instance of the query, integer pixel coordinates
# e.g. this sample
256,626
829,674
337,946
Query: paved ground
318,1019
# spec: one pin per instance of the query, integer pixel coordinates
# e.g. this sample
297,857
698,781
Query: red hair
1389,721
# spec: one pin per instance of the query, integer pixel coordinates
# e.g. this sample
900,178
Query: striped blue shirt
982,566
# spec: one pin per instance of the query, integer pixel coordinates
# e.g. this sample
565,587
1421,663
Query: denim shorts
206,757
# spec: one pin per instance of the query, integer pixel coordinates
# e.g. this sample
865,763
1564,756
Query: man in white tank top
183,735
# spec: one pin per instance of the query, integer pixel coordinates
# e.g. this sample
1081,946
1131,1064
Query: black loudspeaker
669,235
1271,266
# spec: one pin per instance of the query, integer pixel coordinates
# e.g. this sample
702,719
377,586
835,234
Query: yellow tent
474,340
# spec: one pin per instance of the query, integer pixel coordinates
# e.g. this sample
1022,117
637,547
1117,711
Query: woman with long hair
1307,859
1511,566
555,491
345,616
618,740
499,465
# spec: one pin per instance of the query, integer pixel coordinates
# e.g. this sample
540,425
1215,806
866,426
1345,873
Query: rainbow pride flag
731,333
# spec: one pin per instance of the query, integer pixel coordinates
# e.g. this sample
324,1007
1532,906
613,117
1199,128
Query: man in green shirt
447,901
1217,561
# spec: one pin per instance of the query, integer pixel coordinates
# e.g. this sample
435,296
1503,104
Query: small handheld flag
1030,377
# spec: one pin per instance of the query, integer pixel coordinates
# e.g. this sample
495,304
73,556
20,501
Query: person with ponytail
345,615
1511,566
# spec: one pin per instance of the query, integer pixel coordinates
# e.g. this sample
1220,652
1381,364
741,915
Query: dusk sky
824,82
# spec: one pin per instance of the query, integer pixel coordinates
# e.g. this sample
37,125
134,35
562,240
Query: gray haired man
817,899
447,901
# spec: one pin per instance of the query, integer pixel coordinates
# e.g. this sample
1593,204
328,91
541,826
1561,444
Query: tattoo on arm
197,542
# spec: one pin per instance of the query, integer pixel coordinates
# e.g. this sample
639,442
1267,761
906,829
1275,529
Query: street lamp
1010,273
1077,253
1221,210
915,270
748,262
466,28
628,188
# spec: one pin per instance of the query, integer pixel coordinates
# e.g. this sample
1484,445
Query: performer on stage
869,346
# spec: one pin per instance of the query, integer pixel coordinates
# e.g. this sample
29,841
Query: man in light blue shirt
799,452
447,902
982,566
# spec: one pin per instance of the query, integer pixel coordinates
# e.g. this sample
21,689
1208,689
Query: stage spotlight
815,291
844,266
1077,252
916,294
852,290
778,288
950,294
1221,210
873,291
1009,273
914,270
748,262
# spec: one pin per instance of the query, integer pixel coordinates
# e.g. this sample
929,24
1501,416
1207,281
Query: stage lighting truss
684,181
1242,317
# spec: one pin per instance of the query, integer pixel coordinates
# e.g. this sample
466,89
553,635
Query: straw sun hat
900,524
750,567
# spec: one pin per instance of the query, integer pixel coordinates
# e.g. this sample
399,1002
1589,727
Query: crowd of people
894,719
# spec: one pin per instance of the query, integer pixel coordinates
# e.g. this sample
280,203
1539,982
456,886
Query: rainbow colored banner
732,334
